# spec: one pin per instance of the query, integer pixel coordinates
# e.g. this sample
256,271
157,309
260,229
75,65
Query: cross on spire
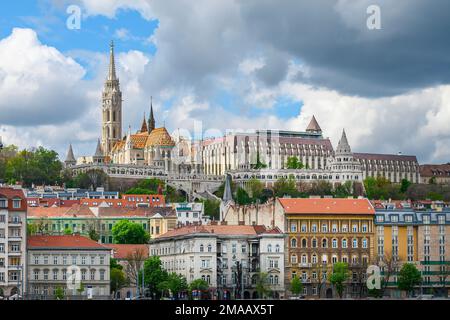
112,64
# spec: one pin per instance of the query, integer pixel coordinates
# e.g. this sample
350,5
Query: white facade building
229,258
191,213
13,233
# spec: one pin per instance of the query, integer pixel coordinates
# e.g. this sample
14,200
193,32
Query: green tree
339,276
152,184
173,285
343,190
377,188
212,208
68,231
199,284
408,277
254,189
91,179
93,234
242,197
117,280
139,191
113,264
404,185
321,188
153,275
128,232
296,286
59,293
262,285
285,186
294,163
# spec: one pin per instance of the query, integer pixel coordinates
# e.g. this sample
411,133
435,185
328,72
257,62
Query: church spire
151,120
313,126
112,64
343,147
144,125
70,158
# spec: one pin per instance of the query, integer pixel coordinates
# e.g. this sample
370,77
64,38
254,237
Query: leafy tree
285,186
377,188
242,197
59,293
321,188
254,189
113,264
117,280
139,191
434,196
68,231
262,285
153,275
128,232
296,286
408,277
343,190
91,179
174,284
199,284
173,195
212,208
294,163
339,276
404,185
93,234
152,184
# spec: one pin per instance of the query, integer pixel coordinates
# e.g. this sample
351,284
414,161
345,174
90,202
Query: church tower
111,107
151,119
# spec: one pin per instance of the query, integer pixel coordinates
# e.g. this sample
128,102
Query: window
334,243
293,258
334,259
324,227
345,259
304,228
304,243
244,248
205,263
344,228
355,243
324,259
304,258
102,275
355,228
36,259
364,243
380,218
17,203
293,227
314,258
55,274
408,218
45,274
209,248
394,218
233,248
314,227
324,243
74,259
426,219
344,243
277,248
334,228
64,274
293,244
269,246
64,260
92,274
314,243
45,259
36,274
102,260
92,259
441,219
202,248
364,228
83,259
3,203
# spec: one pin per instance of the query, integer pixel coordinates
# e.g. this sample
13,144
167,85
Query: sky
230,65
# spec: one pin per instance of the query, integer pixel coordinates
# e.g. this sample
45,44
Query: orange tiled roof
123,251
219,229
326,206
72,241
47,212
160,137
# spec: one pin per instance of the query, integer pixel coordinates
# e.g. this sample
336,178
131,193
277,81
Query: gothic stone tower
111,108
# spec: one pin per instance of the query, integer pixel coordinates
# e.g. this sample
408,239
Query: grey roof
70,157
98,150
417,216
343,147
227,195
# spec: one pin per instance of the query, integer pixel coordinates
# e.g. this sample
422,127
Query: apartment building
13,211
229,258
191,213
321,232
52,260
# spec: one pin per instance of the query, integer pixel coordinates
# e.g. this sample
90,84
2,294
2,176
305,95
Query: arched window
304,243
344,243
202,248
294,258
364,243
277,248
269,248
293,243
304,258
209,248
324,259
324,243
275,279
334,259
314,258
314,243
334,243
355,243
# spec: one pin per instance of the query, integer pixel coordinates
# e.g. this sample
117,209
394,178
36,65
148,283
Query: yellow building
322,232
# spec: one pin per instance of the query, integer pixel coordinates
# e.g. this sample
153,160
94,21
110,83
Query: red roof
12,193
326,206
123,251
220,230
71,241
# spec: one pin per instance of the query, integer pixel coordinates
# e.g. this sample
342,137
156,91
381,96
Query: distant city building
435,173
419,237
191,213
13,235
100,220
71,194
322,232
229,258
53,259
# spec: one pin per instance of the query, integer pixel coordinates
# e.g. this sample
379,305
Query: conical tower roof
70,157
151,119
112,63
343,147
144,125
227,194
313,126
98,150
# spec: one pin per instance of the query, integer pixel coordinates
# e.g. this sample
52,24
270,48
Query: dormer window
17,203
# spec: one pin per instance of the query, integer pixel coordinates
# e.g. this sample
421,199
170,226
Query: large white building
13,234
229,258
191,213
53,259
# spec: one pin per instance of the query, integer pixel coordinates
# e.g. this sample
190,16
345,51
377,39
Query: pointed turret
98,156
313,126
343,147
151,119
227,194
112,64
70,158
144,125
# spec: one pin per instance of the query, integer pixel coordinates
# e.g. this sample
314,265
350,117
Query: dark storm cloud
412,50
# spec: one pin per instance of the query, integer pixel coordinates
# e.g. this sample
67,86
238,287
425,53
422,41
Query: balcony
15,253
13,223
304,265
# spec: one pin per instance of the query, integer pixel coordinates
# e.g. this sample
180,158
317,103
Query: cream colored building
53,259
229,258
